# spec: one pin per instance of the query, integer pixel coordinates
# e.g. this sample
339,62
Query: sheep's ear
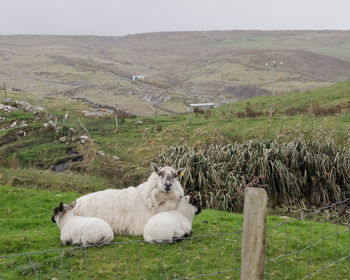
72,205
60,207
155,168
180,172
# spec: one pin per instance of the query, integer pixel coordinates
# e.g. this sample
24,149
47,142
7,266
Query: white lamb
81,230
168,226
128,210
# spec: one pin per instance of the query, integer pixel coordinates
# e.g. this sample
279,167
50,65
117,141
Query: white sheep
128,210
170,225
80,230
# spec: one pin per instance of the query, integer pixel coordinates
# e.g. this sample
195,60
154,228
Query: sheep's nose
167,186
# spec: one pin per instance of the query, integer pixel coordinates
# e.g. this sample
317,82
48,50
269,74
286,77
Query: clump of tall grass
295,173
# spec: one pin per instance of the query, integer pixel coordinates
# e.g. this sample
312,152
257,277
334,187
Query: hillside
30,145
180,67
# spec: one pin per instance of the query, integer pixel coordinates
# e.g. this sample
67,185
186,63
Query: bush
325,111
296,173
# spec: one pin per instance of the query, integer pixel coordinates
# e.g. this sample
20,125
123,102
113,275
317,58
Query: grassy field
26,227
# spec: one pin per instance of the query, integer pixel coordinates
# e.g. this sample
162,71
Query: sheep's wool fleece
85,231
166,226
127,210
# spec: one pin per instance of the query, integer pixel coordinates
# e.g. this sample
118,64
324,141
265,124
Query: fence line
87,256
325,267
305,248
296,240
295,262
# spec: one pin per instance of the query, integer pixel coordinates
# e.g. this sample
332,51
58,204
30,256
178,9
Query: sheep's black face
167,176
57,211
196,203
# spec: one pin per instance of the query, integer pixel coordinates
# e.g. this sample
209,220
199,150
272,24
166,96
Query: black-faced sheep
170,225
81,230
128,210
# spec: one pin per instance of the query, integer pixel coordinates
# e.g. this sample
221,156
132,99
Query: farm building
136,77
201,106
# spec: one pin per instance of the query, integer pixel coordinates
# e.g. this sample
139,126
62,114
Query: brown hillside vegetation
180,67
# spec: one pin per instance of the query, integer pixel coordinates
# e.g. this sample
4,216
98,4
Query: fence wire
131,259
309,246
297,248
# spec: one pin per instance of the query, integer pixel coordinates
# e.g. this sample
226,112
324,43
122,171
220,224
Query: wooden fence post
254,234
155,122
5,91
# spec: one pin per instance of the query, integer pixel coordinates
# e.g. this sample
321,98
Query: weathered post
5,91
254,233
116,123
310,108
155,122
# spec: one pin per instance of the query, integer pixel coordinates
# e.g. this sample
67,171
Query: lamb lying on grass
128,210
170,225
80,230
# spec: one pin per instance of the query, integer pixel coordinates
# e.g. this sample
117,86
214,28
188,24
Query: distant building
202,106
136,77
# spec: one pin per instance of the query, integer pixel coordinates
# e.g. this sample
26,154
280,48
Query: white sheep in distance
170,225
128,210
80,230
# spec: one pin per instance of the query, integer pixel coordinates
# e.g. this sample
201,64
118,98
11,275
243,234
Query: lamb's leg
66,243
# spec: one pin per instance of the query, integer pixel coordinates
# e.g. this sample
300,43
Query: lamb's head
61,210
194,203
167,176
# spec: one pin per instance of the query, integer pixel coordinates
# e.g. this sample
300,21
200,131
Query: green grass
49,180
26,227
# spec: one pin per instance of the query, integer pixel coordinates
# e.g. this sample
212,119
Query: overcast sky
117,17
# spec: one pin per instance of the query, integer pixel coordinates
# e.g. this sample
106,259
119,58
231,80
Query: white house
202,106
136,77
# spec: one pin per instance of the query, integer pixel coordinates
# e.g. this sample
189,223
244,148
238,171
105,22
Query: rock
39,108
72,130
84,139
66,116
22,133
49,124
63,139
14,124
7,108
139,122
101,153
116,158
24,106
92,114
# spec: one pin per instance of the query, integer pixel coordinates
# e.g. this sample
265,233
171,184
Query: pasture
26,227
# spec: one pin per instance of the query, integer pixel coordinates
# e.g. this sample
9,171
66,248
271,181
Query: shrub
296,173
252,114
325,111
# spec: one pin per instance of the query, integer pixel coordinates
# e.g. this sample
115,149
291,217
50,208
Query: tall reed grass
295,173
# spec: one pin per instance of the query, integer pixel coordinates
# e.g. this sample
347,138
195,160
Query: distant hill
180,67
